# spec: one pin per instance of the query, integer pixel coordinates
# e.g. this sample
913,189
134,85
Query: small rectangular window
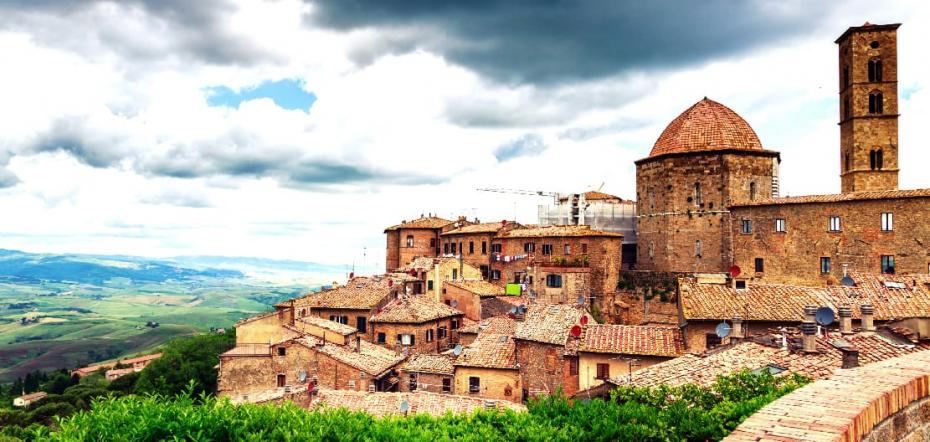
382,338
442,332
824,265
432,243
887,222
835,225
760,265
584,248
471,247
453,248
780,225
697,248
529,247
554,281
361,323
567,250
603,371
746,226
547,249
446,385
455,324
445,248
711,340
495,248
429,284
429,335
413,381
888,264
455,274
484,247
495,275
474,384
282,351
573,366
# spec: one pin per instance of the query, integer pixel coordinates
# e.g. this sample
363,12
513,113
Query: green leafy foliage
632,414
184,360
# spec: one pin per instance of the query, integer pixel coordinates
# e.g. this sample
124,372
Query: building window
698,196
432,243
529,247
584,248
711,340
453,248
847,162
406,339
429,284
697,248
746,226
429,335
445,248
603,371
442,332
760,265
780,225
740,284
547,249
455,274
339,319
454,324
567,250
361,323
446,385
495,248
572,366
409,240
752,190
413,381
282,380
484,247
875,70
303,312
835,225
471,247
282,351
495,275
554,281
879,159
824,265
382,338
876,103
845,77
887,222
888,264
847,112
474,384
461,248
652,250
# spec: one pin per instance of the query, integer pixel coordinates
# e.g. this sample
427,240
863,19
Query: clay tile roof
594,195
415,309
833,198
387,404
632,340
549,323
501,325
478,287
249,350
476,228
33,396
430,222
489,350
706,126
372,359
326,324
428,363
362,295
256,317
775,302
141,358
555,231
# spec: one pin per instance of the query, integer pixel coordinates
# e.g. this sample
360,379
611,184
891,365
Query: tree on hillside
184,360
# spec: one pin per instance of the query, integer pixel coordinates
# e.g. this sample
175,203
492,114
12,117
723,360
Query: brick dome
705,126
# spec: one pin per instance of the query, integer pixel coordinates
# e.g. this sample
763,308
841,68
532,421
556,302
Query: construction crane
521,192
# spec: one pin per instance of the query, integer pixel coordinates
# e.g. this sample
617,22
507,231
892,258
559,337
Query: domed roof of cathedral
706,126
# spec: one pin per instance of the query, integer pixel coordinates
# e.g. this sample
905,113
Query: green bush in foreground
634,414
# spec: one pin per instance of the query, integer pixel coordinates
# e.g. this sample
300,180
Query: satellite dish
825,316
735,271
457,350
454,303
576,330
580,300
583,320
513,310
847,282
522,308
404,406
723,330
532,294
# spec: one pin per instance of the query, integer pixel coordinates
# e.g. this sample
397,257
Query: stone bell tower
869,108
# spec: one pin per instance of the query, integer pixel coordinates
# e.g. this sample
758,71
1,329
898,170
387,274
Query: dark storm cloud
542,42
527,145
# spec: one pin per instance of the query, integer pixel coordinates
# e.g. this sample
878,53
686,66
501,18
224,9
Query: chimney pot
737,331
850,357
868,317
845,314
809,328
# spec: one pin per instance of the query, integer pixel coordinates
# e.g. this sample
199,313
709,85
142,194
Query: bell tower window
847,112
879,160
876,104
872,159
875,70
847,161
752,190
845,77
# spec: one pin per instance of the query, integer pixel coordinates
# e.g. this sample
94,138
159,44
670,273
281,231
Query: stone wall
392,251
264,330
352,315
328,372
475,248
425,243
545,368
793,257
429,382
495,383
245,374
420,345
466,301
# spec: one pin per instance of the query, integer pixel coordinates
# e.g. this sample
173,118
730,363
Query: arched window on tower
875,70
752,190
845,77
847,163
879,160
847,112
409,240
872,159
876,103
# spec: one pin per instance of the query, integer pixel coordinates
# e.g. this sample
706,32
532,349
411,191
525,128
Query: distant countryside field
64,311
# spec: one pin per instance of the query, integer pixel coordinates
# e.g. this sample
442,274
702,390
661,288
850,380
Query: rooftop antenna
457,350
723,330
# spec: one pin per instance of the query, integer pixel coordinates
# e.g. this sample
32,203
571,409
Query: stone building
468,296
415,324
473,243
412,239
487,368
428,373
432,273
352,304
546,351
497,325
607,351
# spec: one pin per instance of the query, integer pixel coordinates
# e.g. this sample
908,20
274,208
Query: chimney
810,313
868,318
809,328
845,320
850,357
737,332
358,344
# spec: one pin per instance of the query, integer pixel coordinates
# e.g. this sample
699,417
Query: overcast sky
299,130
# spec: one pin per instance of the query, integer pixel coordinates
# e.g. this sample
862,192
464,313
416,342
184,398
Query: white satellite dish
723,330
404,406
580,300
457,350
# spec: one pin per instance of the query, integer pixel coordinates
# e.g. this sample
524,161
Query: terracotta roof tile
632,340
555,231
774,302
430,222
832,198
140,358
326,324
372,359
489,350
478,287
414,309
428,363
388,404
707,125
249,350
33,396
477,228
501,325
549,323
357,294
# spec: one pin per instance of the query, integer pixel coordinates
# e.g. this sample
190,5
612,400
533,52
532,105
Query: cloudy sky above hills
299,130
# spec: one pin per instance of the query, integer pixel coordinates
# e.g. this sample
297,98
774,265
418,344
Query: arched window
409,240
872,159
847,162
879,160
876,103
845,77
875,70
847,112
752,190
